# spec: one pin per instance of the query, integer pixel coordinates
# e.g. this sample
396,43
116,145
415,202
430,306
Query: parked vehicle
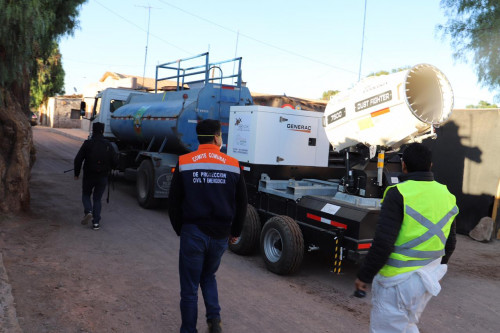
33,119
150,130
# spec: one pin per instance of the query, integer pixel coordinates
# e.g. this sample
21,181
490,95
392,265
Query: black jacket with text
209,191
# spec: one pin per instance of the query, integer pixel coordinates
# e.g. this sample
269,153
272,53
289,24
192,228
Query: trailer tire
145,186
282,245
248,242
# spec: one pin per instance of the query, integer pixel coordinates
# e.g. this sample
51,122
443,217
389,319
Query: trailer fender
282,245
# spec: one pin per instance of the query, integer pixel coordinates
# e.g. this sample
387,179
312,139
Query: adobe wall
57,112
63,110
466,157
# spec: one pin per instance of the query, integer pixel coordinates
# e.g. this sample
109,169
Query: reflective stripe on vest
433,230
208,157
209,166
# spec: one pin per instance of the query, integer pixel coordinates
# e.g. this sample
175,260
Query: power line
96,63
135,25
259,41
227,29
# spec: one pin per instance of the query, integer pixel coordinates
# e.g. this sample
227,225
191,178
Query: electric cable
259,41
137,26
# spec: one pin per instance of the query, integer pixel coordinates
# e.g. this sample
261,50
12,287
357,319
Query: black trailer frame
339,225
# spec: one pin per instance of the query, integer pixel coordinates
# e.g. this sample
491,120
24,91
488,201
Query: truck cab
106,103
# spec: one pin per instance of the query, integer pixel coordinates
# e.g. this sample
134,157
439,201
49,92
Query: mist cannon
389,110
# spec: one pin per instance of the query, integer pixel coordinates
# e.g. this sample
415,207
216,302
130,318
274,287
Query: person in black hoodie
98,158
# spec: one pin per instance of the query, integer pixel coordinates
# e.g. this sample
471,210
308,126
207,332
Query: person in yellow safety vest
414,239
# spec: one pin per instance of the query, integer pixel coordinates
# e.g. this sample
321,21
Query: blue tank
173,116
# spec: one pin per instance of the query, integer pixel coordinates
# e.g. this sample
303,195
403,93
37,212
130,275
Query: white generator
277,136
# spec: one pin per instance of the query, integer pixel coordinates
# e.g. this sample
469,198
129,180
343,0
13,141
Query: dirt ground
66,277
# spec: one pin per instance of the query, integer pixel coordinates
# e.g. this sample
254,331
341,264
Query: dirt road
66,277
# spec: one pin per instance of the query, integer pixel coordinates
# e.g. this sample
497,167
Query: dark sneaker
95,226
87,218
214,325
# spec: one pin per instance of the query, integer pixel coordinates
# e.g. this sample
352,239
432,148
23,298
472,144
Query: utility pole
362,44
236,49
147,42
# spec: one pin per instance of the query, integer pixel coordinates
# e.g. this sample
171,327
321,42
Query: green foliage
395,70
482,105
27,30
378,73
327,94
49,79
473,28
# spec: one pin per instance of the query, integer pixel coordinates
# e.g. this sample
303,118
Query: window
75,114
115,104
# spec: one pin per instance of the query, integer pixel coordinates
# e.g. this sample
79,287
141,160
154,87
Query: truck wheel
282,245
248,241
145,186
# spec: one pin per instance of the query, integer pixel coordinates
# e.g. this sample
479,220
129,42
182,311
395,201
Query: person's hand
233,240
76,177
360,285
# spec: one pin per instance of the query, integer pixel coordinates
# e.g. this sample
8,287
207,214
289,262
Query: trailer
315,181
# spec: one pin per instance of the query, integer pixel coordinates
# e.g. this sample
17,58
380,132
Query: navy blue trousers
93,186
199,259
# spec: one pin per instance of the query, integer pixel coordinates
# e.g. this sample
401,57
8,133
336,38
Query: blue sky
300,48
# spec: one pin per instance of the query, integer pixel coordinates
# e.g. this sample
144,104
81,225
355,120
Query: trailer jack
338,256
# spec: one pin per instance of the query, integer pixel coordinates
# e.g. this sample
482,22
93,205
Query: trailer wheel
248,241
282,245
145,185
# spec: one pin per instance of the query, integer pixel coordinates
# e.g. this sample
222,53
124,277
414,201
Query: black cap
97,128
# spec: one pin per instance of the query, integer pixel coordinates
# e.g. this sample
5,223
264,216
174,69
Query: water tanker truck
314,180
150,130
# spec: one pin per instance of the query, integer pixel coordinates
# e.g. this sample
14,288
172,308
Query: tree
49,79
482,105
394,70
27,31
327,94
379,73
474,31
